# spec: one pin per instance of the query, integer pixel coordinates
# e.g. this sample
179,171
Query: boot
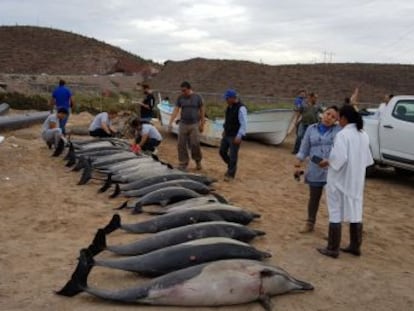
355,237
309,227
59,148
334,239
313,206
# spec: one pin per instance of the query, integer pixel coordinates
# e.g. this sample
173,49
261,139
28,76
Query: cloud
272,32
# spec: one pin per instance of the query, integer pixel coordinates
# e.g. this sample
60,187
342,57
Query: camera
297,175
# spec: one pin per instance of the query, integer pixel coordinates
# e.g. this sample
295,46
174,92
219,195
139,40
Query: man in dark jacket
234,126
147,105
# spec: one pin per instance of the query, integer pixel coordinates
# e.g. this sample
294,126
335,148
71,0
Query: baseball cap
230,93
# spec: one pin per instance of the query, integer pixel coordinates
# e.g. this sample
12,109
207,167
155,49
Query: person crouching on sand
101,125
148,138
52,133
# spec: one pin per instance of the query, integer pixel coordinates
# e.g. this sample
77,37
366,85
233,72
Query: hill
36,50
332,82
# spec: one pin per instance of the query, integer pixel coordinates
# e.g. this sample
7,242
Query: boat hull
267,126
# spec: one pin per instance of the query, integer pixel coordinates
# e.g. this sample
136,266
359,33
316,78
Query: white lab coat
349,157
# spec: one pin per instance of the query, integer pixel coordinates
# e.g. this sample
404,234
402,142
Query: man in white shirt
101,125
148,137
383,106
52,133
348,160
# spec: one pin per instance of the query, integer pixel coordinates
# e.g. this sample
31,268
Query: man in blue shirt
62,98
234,126
300,103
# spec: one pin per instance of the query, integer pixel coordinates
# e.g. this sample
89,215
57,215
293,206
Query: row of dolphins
198,253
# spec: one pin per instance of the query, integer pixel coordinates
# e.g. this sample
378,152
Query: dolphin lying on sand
217,283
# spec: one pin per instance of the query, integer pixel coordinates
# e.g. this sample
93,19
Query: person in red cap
235,124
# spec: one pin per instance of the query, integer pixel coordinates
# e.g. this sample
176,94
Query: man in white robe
348,160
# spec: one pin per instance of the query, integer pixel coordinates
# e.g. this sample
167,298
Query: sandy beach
47,218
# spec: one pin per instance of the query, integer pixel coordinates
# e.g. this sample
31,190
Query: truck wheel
403,172
370,170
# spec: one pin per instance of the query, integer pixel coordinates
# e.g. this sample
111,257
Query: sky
269,32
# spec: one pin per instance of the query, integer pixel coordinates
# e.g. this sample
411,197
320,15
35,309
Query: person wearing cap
52,133
191,109
101,125
148,138
235,125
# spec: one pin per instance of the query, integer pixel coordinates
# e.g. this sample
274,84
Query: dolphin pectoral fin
266,302
86,175
78,281
220,198
106,185
164,202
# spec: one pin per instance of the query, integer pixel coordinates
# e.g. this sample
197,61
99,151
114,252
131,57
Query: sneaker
155,152
309,227
198,166
59,148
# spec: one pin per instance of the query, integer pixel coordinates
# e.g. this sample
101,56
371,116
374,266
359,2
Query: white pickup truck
391,134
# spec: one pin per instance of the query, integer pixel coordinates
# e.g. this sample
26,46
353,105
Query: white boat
267,126
212,128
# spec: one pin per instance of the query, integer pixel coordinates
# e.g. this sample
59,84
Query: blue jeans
229,152
149,145
299,136
62,123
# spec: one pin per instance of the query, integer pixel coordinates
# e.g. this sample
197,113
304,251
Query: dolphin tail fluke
78,281
71,151
86,175
113,225
81,164
98,244
116,192
122,206
220,198
107,184
71,161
